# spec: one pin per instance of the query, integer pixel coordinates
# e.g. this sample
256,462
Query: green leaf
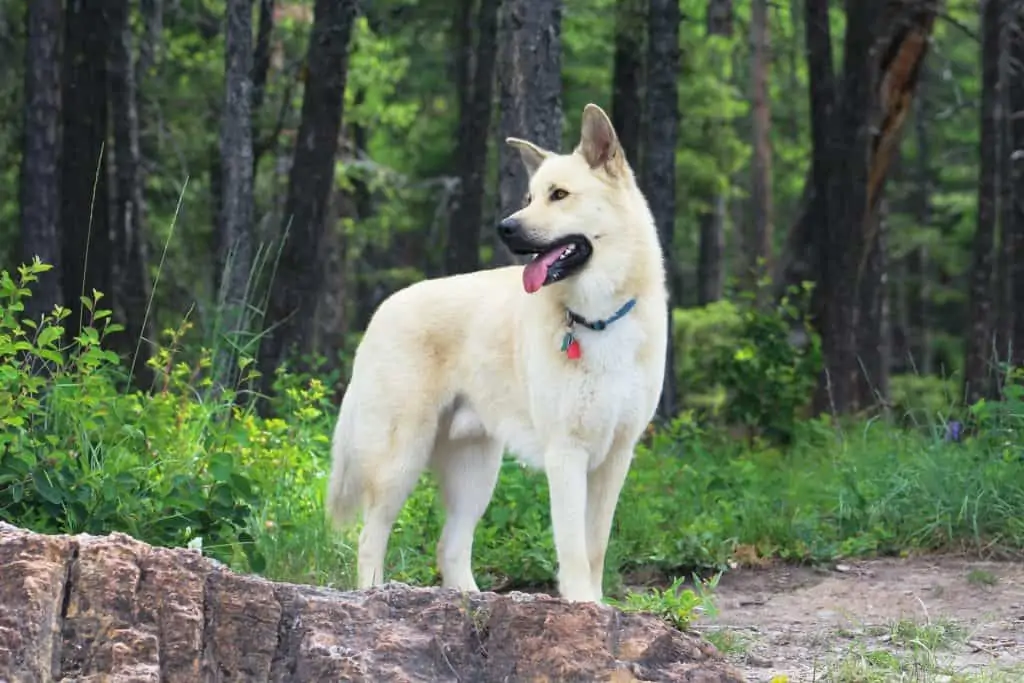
45,489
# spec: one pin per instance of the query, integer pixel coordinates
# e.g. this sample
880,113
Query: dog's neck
574,318
594,306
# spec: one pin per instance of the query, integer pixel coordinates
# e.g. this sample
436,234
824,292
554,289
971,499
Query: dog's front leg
604,484
566,470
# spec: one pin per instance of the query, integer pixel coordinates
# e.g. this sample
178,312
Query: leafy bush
753,366
77,454
696,331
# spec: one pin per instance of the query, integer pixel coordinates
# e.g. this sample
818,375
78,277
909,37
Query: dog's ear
532,155
599,144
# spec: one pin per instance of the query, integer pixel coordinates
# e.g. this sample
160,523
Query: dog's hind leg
467,471
604,484
390,478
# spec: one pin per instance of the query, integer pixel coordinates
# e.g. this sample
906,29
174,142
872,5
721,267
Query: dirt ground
921,619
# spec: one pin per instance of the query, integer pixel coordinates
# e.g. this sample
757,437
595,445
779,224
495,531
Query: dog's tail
344,487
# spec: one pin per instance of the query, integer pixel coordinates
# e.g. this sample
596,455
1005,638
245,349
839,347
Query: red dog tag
573,351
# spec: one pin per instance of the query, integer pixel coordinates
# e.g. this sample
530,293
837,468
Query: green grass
187,465
864,664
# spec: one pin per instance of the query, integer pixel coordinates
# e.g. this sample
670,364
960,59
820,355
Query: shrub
78,454
766,360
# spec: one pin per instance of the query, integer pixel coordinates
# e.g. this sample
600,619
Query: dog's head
582,207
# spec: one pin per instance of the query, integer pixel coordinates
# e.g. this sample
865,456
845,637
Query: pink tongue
536,271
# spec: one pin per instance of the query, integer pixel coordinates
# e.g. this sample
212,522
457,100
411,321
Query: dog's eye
558,193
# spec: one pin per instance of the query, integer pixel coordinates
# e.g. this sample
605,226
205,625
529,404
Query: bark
627,76
847,201
761,165
874,341
40,164
1004,318
978,343
153,21
296,287
806,246
804,242
658,179
130,253
529,95
261,54
145,69
1016,49
476,86
905,44
260,71
919,316
711,249
901,52
84,206
235,224
863,129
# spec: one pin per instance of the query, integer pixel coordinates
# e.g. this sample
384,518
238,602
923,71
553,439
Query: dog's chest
605,384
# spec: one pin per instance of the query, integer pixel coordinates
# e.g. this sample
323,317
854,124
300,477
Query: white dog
560,362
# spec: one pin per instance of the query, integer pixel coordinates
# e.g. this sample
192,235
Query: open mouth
554,262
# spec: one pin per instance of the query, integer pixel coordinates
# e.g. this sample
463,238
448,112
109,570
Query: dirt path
922,619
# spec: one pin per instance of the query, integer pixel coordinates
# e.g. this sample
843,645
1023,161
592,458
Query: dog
559,362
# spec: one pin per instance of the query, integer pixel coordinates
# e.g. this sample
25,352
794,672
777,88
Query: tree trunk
847,201
805,245
529,95
153,22
627,77
658,179
711,249
918,305
1004,318
905,46
84,214
979,332
874,343
900,54
146,67
880,76
235,255
40,162
130,254
1016,49
296,287
761,166
476,85
260,71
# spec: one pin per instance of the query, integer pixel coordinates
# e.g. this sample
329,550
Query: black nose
508,228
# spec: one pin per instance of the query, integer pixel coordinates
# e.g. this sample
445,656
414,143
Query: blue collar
598,325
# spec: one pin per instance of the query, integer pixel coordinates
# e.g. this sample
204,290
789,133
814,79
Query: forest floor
933,618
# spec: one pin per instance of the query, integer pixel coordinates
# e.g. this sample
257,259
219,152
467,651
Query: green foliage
675,605
768,376
748,364
77,454
695,331
919,399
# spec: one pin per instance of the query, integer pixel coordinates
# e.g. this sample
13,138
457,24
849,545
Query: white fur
453,371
